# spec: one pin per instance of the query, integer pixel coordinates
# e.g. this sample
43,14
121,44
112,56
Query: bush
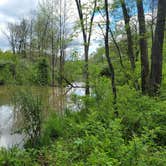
52,129
94,136
43,75
30,107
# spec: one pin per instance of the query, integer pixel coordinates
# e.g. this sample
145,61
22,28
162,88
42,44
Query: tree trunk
157,50
86,71
86,32
107,52
30,40
153,19
13,46
117,47
53,59
143,48
129,35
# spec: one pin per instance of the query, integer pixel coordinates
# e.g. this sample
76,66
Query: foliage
95,136
30,108
20,71
52,129
43,72
130,132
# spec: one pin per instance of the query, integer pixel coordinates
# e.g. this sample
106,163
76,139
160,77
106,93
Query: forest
83,83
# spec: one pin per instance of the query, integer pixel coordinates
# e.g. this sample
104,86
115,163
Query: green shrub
52,129
16,157
43,76
30,107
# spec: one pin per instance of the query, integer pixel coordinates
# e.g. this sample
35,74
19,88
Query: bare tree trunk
53,60
117,47
86,70
113,39
136,42
129,35
38,44
13,45
61,44
31,32
157,50
143,48
153,20
107,52
86,32
52,47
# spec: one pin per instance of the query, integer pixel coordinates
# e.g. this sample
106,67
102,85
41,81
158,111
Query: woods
48,31
83,82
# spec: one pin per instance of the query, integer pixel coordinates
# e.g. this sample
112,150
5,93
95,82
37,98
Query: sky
14,10
11,11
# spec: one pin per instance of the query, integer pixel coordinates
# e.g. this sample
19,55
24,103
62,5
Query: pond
59,99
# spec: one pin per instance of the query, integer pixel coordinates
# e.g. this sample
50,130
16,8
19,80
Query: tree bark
117,47
143,48
129,35
157,50
107,52
86,32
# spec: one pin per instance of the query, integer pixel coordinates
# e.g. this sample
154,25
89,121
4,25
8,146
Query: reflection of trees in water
6,118
18,119
55,98
58,99
8,121
4,95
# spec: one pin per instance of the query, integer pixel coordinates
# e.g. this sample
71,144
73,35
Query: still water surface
59,99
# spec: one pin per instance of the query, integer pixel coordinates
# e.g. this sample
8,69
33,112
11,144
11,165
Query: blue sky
13,10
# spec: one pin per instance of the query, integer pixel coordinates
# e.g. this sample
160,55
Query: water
59,99
7,139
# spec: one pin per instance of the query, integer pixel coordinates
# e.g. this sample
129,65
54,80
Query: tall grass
30,107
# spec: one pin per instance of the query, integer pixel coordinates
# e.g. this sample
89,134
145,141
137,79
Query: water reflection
57,98
7,139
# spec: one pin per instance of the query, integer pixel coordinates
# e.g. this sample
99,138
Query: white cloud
11,11
2,2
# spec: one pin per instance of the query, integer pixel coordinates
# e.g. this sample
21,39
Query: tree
113,38
129,34
53,34
107,52
23,30
42,28
43,72
143,47
11,36
31,30
157,50
152,14
63,36
17,36
86,27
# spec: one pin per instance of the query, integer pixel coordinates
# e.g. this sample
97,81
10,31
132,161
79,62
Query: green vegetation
95,136
30,108
43,72
20,71
121,119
